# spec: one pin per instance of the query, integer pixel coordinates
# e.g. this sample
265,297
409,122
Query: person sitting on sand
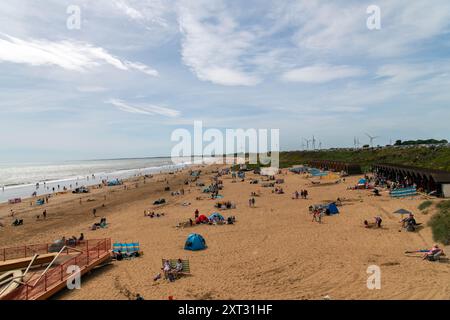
367,224
119,256
409,223
139,297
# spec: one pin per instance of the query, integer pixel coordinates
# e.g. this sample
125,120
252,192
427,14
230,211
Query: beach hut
195,242
216,216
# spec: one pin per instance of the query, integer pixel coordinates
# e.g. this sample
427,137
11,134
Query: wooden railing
91,251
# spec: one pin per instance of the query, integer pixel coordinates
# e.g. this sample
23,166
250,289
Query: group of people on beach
171,273
303,194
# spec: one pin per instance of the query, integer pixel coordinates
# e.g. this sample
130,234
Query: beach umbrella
402,212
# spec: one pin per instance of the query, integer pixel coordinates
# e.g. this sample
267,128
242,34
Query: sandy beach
273,251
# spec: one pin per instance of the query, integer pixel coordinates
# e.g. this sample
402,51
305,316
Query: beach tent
216,216
195,173
195,242
362,181
201,219
114,183
332,208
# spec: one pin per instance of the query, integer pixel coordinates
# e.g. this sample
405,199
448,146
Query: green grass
424,205
430,158
444,205
440,223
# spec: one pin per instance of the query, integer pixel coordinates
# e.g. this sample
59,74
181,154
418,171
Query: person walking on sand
94,212
253,202
44,214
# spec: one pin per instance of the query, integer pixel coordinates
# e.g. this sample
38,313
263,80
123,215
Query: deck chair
435,257
186,268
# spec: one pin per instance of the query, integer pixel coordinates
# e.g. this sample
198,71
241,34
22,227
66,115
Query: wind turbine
313,143
307,143
371,139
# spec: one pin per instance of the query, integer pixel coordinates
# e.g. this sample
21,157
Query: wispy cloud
321,73
213,45
66,54
146,109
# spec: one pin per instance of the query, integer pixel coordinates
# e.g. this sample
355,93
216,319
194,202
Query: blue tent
362,181
332,208
195,242
114,183
216,215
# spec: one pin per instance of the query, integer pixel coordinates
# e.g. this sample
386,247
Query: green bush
440,223
444,205
425,205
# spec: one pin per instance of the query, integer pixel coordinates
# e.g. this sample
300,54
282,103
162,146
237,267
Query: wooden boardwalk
42,286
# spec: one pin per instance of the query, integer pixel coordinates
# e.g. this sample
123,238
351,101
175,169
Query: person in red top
196,214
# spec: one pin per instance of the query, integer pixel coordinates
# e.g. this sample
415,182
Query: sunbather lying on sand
434,253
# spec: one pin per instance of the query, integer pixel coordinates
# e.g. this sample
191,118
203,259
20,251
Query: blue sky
137,70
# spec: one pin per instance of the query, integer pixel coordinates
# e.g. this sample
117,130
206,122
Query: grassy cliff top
418,156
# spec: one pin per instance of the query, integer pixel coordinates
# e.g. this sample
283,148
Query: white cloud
128,10
321,73
66,54
402,73
90,89
213,46
146,109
